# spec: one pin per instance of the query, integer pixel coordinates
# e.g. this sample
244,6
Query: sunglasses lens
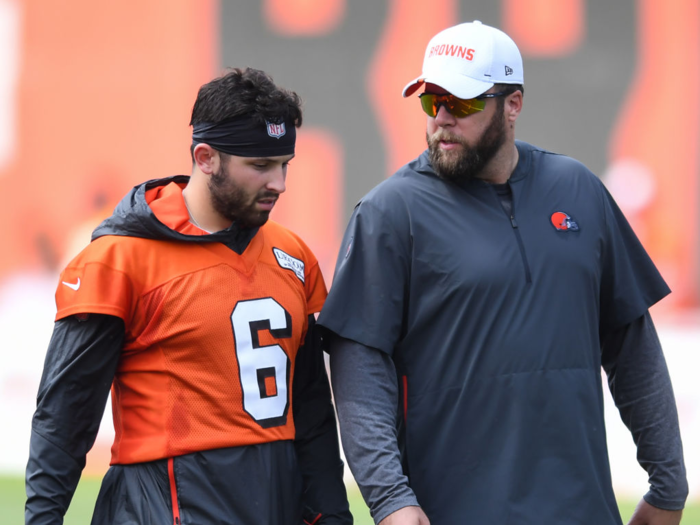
462,108
455,106
429,104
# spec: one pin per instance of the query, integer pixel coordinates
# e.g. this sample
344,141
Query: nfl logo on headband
276,130
246,136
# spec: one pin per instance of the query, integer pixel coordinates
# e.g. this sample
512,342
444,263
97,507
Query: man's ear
206,158
513,106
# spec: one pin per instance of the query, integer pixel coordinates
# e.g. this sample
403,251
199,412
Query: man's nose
277,181
444,117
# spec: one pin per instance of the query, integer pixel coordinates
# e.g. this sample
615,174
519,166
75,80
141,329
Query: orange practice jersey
211,335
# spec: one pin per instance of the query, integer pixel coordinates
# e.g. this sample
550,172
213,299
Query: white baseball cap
468,59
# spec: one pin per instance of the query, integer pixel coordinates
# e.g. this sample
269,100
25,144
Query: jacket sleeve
641,387
316,443
80,363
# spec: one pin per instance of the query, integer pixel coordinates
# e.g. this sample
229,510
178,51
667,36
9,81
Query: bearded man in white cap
477,294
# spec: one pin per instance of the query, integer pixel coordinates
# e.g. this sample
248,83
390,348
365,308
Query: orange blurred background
95,97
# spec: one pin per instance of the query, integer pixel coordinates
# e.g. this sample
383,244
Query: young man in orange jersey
199,313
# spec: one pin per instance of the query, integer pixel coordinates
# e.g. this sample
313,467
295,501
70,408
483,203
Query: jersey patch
290,263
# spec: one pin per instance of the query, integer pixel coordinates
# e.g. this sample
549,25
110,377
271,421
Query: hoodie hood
133,217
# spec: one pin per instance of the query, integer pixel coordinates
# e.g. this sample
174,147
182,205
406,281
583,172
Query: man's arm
80,364
646,514
325,499
641,387
366,397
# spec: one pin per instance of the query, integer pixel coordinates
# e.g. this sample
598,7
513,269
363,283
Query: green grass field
12,504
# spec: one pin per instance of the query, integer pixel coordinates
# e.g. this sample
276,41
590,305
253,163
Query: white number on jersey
264,370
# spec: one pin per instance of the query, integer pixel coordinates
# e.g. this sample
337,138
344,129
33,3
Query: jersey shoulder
108,274
116,251
285,251
282,238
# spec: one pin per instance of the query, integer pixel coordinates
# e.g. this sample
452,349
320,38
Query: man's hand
406,516
646,514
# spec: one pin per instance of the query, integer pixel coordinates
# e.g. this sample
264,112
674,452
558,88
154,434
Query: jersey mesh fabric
178,388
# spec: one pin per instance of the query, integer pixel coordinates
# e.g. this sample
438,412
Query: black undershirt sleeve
316,440
641,387
366,393
80,364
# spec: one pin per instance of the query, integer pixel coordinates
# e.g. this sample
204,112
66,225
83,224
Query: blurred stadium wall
95,97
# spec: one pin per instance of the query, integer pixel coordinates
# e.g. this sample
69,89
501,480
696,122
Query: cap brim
459,85
412,87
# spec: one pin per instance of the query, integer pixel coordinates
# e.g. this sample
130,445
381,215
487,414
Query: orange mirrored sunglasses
458,107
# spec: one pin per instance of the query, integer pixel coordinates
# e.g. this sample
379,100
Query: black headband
247,137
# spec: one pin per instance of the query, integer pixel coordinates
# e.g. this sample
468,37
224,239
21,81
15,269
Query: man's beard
231,201
460,166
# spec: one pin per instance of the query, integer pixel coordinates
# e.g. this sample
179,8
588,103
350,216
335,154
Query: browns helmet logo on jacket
562,222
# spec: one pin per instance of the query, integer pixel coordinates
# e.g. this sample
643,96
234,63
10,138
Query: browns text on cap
468,59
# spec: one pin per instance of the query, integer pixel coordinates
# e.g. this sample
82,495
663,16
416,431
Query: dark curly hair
245,92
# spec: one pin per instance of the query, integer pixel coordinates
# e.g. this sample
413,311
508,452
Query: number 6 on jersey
264,370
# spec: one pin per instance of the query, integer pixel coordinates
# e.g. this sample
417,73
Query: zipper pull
512,221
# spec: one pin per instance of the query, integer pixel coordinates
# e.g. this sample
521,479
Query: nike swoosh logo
74,286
